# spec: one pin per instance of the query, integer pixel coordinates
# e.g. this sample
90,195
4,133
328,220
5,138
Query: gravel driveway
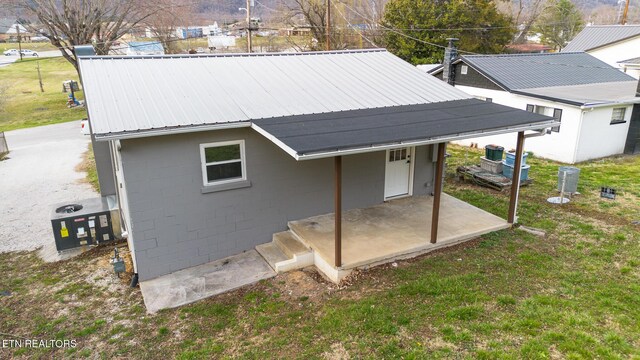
38,174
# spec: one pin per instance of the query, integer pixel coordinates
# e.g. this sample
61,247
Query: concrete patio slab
202,281
393,230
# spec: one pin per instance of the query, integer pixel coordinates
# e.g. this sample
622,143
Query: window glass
224,171
222,153
222,161
618,115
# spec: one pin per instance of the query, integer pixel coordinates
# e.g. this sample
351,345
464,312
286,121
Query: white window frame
618,121
464,69
204,164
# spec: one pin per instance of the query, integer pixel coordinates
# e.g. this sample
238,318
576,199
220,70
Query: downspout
575,150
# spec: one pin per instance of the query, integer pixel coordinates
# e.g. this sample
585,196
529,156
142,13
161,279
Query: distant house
9,32
593,100
214,154
144,48
612,44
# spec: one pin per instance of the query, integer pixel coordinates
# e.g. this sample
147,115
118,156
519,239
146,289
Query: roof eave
170,131
435,140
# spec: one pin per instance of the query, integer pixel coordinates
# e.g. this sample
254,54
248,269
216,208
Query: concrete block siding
174,225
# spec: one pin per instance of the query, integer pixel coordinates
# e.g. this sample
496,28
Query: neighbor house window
223,162
618,116
557,115
464,69
548,111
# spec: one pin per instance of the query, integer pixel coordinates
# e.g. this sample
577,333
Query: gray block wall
104,167
176,226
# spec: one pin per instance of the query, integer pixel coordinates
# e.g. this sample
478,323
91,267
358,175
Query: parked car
200,50
29,53
11,52
85,127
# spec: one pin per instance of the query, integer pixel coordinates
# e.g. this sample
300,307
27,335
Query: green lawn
25,105
509,295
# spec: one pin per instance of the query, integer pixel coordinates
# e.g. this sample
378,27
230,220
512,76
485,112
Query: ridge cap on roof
524,54
273,54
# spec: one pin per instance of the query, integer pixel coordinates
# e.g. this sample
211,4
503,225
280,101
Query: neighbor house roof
595,36
573,78
523,71
133,94
635,61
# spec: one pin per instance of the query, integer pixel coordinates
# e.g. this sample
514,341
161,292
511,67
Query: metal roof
324,135
142,94
595,36
589,94
635,60
526,71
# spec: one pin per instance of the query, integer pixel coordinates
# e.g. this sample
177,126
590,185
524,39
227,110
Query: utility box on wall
82,223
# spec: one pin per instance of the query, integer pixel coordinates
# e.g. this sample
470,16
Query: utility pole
623,21
19,40
40,76
248,25
328,26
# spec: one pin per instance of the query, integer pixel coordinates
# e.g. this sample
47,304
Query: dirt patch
303,285
338,352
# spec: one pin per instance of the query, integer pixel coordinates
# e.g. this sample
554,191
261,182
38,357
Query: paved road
38,174
6,60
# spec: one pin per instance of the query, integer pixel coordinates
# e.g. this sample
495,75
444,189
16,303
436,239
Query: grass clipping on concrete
24,104
572,294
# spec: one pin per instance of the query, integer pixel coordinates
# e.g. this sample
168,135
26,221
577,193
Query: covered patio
406,227
396,229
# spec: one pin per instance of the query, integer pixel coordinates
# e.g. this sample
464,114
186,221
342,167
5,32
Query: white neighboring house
594,101
612,44
631,66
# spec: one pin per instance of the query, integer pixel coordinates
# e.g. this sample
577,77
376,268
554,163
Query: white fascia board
172,131
612,103
276,141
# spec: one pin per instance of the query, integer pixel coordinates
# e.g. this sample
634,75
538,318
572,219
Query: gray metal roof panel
523,71
635,60
589,94
596,36
143,93
309,134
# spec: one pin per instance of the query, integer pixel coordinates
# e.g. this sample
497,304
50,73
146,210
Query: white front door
397,179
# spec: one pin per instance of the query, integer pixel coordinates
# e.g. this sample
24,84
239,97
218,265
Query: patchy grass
26,106
88,166
572,294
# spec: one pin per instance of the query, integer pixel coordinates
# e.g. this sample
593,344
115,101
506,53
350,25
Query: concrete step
289,244
272,254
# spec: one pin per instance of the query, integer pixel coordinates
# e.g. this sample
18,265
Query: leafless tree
524,14
67,23
350,22
163,23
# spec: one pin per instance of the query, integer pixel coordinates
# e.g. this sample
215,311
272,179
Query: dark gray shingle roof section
325,133
595,36
525,71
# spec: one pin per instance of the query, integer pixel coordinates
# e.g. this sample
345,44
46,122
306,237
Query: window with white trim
548,111
223,162
617,117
